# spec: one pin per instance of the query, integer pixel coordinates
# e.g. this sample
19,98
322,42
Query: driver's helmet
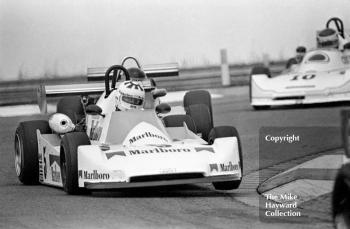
130,95
300,53
136,74
327,38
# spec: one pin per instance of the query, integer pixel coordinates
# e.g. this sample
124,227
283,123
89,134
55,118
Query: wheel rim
18,155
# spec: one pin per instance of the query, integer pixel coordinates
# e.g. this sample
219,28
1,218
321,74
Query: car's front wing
262,97
124,167
117,185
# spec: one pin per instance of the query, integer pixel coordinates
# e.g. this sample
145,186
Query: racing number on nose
304,77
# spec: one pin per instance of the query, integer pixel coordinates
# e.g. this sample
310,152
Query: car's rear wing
85,89
155,70
96,88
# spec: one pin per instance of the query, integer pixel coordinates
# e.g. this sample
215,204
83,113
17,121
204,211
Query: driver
130,95
299,55
327,38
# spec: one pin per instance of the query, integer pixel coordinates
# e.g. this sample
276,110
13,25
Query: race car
322,76
98,146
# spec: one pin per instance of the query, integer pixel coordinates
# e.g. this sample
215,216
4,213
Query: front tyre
221,132
69,161
26,150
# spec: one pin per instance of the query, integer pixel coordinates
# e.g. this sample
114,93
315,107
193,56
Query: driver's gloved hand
81,126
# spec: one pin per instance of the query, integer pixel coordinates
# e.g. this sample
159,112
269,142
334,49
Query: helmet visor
132,100
329,44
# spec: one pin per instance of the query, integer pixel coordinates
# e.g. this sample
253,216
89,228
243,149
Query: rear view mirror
94,110
159,93
163,108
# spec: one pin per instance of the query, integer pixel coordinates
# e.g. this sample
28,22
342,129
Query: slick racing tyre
199,97
201,117
26,150
179,120
261,70
71,106
69,161
221,132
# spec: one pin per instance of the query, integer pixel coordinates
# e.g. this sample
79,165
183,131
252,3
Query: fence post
266,60
225,73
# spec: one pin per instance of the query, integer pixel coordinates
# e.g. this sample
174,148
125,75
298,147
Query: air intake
166,177
290,98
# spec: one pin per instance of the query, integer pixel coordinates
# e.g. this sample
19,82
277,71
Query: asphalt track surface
186,206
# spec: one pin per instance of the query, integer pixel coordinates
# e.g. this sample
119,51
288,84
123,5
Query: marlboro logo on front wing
158,149
94,175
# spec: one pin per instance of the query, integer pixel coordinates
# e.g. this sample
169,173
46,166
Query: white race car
322,76
126,149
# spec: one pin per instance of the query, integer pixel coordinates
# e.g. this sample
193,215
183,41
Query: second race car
322,76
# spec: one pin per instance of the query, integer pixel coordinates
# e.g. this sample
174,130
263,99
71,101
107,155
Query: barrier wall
24,92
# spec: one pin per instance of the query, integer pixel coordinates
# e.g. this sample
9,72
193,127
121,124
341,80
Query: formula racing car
322,76
103,145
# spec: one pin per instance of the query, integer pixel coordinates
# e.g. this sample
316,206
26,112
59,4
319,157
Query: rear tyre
201,117
179,120
69,161
221,132
71,106
199,97
26,150
261,70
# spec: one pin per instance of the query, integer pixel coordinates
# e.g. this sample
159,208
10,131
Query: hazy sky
67,36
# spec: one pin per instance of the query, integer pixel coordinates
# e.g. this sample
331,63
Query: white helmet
61,123
130,95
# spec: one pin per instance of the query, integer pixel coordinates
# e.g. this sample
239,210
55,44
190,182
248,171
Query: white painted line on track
32,109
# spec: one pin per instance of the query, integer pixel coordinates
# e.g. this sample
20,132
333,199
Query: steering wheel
114,68
338,24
